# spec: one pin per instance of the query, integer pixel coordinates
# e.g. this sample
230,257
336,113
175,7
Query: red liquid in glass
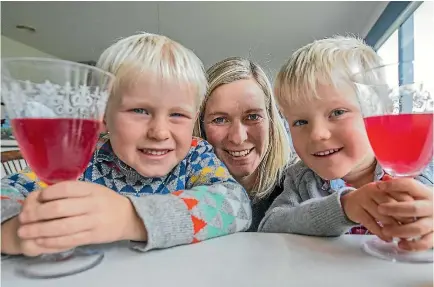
402,143
56,149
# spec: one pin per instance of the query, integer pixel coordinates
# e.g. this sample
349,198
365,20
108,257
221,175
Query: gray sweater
310,205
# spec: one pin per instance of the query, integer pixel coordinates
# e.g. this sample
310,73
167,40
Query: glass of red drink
397,105
56,109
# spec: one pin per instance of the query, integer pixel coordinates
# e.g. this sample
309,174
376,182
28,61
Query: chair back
12,162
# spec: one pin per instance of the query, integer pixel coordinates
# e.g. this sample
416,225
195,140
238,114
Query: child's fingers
371,224
410,186
400,196
33,195
417,208
31,248
65,189
420,227
54,209
405,220
55,228
66,242
424,243
372,208
382,198
32,198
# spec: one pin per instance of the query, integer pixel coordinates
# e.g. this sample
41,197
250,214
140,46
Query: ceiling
267,32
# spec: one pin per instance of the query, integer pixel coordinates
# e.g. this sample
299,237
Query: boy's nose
320,133
158,130
159,135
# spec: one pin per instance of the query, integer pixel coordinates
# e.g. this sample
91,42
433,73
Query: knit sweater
260,207
310,205
196,201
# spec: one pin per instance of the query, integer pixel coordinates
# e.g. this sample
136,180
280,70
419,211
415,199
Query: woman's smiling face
236,124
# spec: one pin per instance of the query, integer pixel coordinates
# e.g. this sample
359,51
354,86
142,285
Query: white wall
12,48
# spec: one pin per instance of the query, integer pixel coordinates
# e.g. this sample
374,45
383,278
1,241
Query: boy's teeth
239,153
154,152
327,152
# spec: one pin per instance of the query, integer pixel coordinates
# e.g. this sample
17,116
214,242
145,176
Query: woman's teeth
239,153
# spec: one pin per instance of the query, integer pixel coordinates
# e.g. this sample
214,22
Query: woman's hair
277,154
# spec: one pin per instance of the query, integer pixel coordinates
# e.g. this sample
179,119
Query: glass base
60,265
390,252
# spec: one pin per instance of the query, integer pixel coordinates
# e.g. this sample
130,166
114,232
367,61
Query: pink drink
56,149
402,143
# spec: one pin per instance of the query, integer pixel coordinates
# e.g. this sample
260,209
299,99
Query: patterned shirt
196,201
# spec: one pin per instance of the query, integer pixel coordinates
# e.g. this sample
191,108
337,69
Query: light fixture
27,28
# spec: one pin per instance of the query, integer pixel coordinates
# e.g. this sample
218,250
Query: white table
243,259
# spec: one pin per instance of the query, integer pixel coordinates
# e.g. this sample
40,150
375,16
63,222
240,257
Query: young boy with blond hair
149,180
338,187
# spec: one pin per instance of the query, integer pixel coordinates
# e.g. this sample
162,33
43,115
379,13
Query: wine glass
56,108
398,116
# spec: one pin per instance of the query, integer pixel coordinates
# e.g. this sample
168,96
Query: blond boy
338,187
149,180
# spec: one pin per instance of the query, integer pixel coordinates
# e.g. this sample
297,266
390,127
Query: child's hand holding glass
361,206
415,216
75,213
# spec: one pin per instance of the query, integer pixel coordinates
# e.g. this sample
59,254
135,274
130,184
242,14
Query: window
403,33
423,24
389,53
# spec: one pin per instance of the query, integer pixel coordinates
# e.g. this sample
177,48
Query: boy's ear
103,127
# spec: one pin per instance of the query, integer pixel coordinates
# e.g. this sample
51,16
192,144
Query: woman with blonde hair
240,119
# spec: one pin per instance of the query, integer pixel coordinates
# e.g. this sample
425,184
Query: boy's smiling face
329,134
151,124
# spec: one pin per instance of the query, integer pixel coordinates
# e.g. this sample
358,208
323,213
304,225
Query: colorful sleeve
213,204
14,189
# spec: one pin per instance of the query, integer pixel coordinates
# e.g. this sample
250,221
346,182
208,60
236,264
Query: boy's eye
299,123
177,115
219,121
337,113
139,111
253,117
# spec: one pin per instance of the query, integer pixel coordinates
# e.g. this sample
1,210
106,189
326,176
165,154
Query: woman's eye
139,111
219,120
337,113
299,123
254,117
